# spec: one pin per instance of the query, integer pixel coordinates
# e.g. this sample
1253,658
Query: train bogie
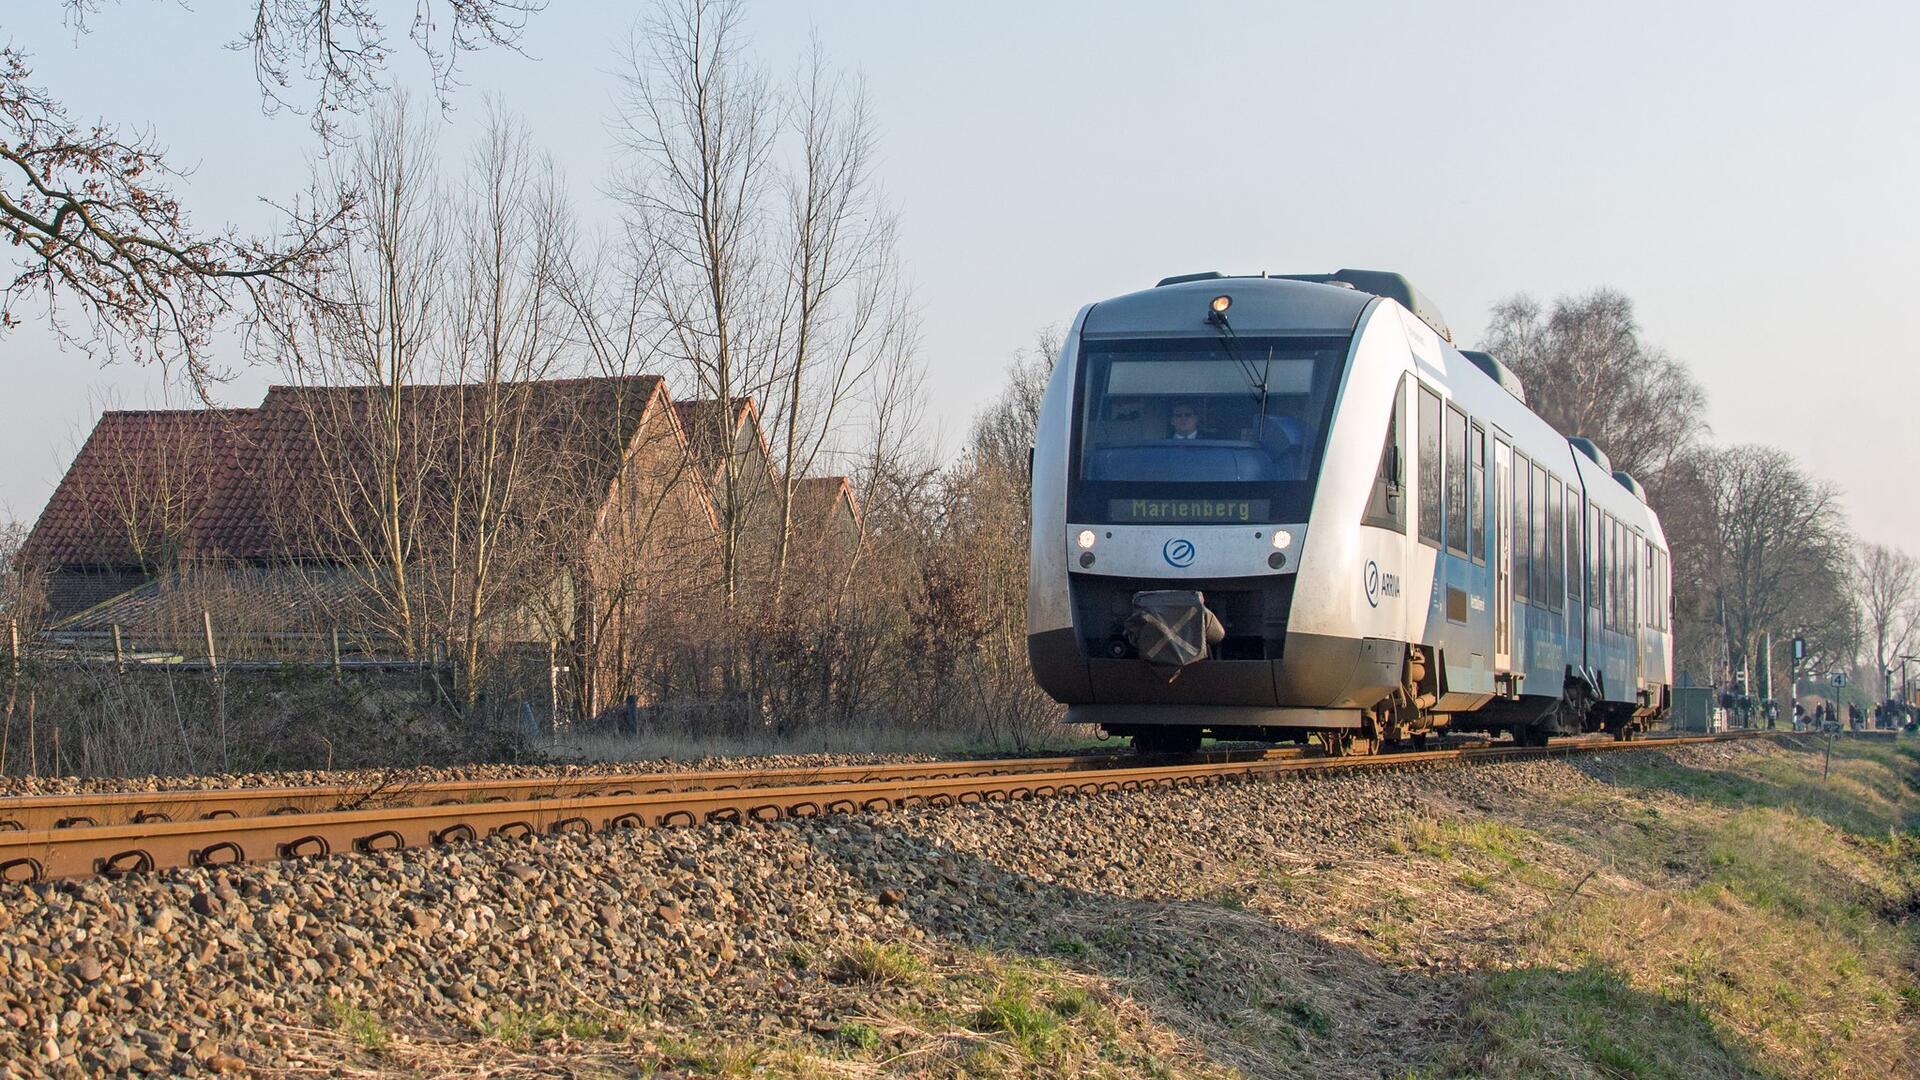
1265,507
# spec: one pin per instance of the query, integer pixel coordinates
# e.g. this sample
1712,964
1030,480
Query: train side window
1617,562
1538,557
1611,604
1641,580
1666,591
1646,583
1576,566
1665,598
1653,586
1477,494
1431,498
1626,579
1606,570
1633,571
1649,585
1556,544
1456,481
1521,544
1596,564
1387,504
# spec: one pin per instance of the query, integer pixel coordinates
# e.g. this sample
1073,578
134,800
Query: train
1287,508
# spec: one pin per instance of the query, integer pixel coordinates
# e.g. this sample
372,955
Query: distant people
1799,716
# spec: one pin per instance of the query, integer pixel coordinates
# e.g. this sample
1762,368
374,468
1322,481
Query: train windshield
1199,430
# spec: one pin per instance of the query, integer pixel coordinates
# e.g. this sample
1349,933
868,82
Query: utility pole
1768,638
1906,694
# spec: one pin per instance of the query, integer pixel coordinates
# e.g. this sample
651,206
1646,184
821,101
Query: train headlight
1085,539
1221,304
1282,539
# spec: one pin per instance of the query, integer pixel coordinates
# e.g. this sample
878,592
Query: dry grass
1741,926
982,1015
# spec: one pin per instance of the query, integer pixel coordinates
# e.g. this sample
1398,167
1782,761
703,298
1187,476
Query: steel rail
36,813
135,847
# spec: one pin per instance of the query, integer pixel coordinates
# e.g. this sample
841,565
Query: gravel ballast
728,928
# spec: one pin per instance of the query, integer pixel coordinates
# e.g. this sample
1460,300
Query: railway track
34,813
87,847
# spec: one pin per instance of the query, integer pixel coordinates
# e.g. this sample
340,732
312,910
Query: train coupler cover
1172,628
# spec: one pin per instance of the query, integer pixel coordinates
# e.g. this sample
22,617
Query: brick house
572,515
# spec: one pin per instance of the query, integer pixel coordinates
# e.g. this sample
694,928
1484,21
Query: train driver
1185,419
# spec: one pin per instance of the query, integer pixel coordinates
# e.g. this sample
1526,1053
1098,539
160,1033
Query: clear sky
1746,172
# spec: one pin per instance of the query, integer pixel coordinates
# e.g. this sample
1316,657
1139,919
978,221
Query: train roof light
1221,304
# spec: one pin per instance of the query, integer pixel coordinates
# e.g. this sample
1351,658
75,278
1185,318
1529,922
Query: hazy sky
1746,172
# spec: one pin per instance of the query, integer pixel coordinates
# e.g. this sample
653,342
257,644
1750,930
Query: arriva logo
1379,584
1178,553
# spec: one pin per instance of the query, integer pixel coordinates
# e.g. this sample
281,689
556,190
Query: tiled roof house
278,501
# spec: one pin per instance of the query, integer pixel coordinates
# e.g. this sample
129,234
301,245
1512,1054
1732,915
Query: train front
1179,446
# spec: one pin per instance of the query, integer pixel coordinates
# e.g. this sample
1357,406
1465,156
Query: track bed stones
739,929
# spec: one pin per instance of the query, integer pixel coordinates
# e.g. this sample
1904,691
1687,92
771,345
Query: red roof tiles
138,487
293,478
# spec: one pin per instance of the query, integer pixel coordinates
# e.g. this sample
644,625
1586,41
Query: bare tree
1588,371
96,232
1887,581
342,47
17,586
1003,432
843,312
1780,555
512,333
386,303
697,122
100,240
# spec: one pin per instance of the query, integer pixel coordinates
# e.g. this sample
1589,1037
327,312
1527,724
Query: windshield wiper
1257,381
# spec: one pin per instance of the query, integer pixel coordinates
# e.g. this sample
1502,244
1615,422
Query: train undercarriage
1407,718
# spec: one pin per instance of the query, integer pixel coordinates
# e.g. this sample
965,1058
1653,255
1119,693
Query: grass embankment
1746,919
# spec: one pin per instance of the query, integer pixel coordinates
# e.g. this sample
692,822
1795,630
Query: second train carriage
1274,507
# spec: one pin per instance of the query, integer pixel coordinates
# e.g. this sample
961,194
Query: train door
1502,556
